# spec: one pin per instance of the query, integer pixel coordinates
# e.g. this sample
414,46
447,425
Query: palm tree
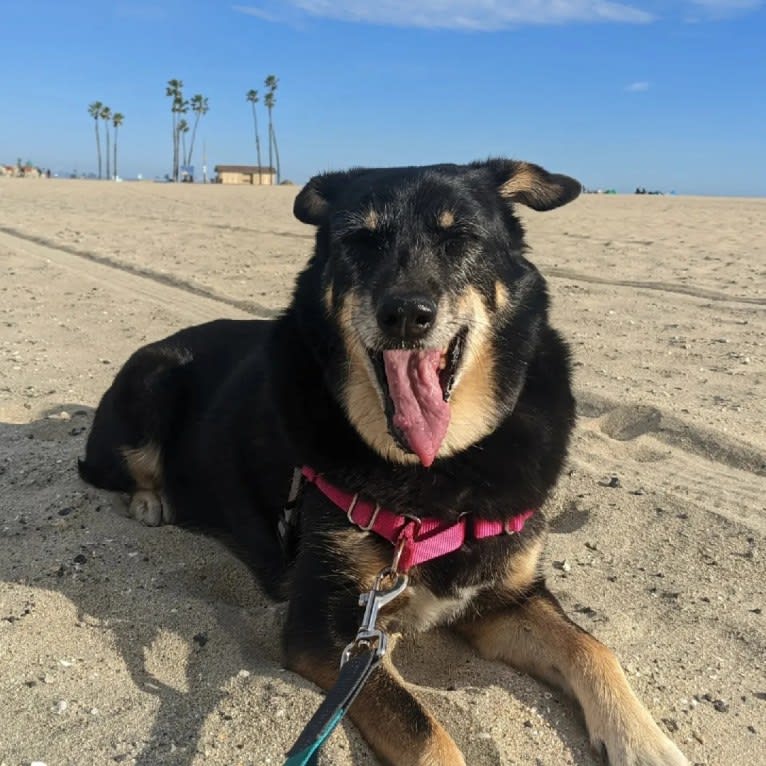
252,97
183,129
117,120
106,116
174,90
199,106
270,101
94,110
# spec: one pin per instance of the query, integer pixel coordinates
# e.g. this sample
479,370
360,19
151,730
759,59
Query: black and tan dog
416,367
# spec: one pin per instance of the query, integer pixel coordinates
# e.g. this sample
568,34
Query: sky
664,95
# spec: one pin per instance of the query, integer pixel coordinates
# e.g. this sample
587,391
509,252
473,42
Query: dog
414,371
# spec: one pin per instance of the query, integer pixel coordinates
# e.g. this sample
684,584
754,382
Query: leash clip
376,598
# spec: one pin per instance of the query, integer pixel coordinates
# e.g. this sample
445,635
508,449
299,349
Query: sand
124,644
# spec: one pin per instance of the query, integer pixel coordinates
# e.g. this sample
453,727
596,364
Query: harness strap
417,539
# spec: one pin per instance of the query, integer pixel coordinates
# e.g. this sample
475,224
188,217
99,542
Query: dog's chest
422,609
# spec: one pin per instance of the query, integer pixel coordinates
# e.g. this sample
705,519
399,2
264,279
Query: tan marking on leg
328,298
144,465
522,569
362,553
502,298
397,726
150,508
538,638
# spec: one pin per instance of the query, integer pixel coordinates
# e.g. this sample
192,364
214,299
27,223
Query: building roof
243,169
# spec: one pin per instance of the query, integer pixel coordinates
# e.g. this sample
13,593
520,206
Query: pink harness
417,540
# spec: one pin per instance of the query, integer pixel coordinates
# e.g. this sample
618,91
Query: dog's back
146,410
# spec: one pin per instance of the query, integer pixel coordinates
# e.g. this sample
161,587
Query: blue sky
666,95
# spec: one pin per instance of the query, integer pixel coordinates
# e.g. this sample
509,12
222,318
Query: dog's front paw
642,744
150,508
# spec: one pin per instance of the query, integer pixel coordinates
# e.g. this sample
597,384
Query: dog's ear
532,185
315,200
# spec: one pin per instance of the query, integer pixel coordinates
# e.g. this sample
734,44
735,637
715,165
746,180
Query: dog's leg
150,508
147,503
323,616
538,638
396,726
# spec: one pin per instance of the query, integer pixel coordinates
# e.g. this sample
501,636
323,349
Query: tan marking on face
502,297
371,220
526,183
363,401
473,404
446,219
144,465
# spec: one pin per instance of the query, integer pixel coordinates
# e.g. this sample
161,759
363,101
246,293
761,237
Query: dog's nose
406,317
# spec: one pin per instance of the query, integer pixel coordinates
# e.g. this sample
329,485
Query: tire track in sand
188,297
696,465
664,287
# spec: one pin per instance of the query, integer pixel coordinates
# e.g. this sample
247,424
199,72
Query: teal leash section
309,757
353,675
359,660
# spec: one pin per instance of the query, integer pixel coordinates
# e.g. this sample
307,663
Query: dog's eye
360,239
454,242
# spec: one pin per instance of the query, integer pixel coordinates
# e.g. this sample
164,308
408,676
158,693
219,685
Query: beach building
245,174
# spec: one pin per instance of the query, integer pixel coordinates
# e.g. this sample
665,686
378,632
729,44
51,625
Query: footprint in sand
630,422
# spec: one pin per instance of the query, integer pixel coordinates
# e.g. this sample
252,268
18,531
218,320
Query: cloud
453,14
637,87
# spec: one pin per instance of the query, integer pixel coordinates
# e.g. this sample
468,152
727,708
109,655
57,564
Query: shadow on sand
141,585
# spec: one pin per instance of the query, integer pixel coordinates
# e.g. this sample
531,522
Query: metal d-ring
400,543
351,507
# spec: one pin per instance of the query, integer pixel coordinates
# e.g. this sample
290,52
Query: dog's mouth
417,385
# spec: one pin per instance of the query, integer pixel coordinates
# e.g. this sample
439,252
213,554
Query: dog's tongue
420,412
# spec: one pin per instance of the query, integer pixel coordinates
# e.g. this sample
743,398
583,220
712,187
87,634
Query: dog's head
424,277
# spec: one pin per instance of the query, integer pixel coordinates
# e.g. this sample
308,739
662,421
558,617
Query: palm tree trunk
191,144
115,153
174,170
276,153
106,131
270,135
98,145
257,146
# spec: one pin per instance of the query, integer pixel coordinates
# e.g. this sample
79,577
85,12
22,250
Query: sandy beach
125,644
